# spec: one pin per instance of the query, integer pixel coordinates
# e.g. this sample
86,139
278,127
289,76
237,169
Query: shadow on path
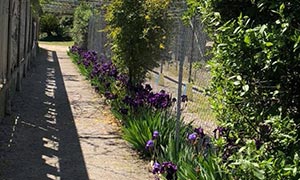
39,140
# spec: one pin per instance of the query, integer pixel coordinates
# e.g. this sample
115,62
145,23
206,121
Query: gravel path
61,129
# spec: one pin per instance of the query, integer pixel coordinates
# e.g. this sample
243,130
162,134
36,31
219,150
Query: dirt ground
61,129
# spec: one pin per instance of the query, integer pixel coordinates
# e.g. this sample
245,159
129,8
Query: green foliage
209,168
138,130
45,1
195,160
49,24
57,28
79,32
138,30
36,8
184,159
192,10
275,159
66,25
255,84
191,165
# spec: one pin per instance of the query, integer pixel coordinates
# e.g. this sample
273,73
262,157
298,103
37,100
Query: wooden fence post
17,39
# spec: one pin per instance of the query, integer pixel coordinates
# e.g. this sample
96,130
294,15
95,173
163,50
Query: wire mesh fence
189,43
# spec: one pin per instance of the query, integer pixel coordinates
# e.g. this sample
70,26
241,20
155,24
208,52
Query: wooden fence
18,46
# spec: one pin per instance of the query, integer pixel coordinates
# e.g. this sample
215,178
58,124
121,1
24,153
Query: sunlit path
61,129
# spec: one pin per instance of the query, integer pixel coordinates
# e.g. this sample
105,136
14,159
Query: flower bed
148,122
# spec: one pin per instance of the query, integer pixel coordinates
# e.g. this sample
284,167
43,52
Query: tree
138,30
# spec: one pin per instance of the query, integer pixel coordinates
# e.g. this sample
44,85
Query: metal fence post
180,75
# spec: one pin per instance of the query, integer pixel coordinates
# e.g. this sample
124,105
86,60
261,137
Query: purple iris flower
86,63
122,78
192,137
200,132
113,71
75,49
90,57
219,131
151,99
138,102
159,100
149,144
156,168
155,135
171,170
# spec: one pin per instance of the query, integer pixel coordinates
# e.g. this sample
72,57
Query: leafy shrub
66,25
49,24
66,21
57,28
138,30
79,32
255,85
273,159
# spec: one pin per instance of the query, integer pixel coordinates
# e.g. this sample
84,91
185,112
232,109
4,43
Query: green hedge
255,90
